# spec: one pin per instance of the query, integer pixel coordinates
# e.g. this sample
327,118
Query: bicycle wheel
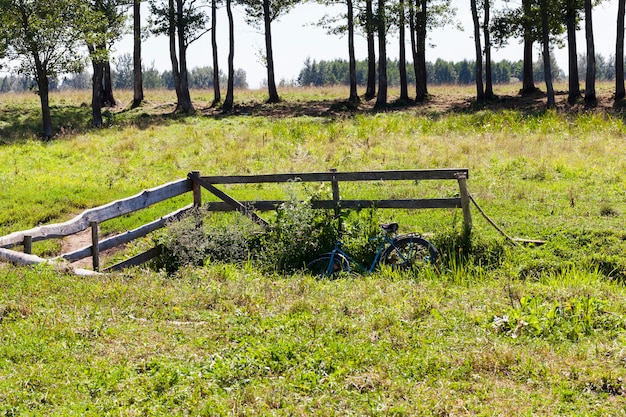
323,267
407,251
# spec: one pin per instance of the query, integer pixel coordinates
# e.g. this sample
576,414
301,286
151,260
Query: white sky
295,37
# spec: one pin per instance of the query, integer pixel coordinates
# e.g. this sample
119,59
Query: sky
296,38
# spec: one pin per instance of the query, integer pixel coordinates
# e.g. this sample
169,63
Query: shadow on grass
20,123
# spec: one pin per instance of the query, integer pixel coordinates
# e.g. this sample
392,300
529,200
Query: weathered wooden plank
227,199
129,236
20,258
142,258
109,211
425,174
269,205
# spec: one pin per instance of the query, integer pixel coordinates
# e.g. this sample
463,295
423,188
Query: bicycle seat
390,227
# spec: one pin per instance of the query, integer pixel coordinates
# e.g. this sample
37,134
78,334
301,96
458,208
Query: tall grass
495,329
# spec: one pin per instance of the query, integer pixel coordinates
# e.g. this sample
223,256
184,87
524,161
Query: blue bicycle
402,252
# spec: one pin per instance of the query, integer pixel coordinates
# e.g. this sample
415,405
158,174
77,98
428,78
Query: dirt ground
441,100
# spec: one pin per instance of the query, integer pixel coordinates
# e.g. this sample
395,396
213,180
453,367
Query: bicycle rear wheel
407,251
328,265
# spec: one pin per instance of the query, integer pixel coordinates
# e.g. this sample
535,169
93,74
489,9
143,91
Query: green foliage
298,234
570,319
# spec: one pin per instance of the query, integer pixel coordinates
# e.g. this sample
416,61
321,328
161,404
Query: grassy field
502,330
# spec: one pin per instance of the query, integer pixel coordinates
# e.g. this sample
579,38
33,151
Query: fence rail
194,183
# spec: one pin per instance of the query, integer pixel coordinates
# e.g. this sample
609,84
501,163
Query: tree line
45,39
122,78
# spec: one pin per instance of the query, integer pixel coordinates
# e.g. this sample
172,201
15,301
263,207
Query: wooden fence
194,183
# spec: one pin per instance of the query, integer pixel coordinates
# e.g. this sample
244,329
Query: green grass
494,330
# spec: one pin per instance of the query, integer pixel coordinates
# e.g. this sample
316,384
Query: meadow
495,329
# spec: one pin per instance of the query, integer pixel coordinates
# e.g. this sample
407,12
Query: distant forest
315,73
122,78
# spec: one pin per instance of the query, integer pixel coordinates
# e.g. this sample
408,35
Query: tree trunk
404,87
412,31
572,54
421,76
185,99
620,92
354,96
271,82
137,70
217,95
488,75
96,93
228,102
381,97
173,57
370,92
590,79
528,81
107,85
44,97
547,68
480,93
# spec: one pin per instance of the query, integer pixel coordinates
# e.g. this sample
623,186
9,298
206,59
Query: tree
228,102
262,13
425,15
521,23
184,22
45,39
381,20
102,26
590,79
137,68
217,95
404,91
620,92
545,35
336,25
572,16
480,92
370,27
487,37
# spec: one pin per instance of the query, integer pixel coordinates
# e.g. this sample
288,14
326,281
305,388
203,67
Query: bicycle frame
337,250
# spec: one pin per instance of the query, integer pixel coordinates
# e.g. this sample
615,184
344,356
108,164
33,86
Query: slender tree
137,69
45,39
572,8
354,96
404,90
370,28
381,19
419,50
217,95
340,25
228,101
480,92
184,22
528,27
590,79
620,92
103,25
424,16
547,69
262,13
487,38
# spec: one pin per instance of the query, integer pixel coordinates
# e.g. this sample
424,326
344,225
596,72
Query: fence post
28,245
465,203
336,197
95,250
197,191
